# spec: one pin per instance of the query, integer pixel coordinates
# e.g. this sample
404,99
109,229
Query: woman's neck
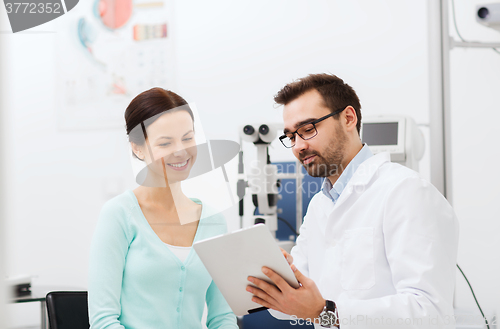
169,201
164,196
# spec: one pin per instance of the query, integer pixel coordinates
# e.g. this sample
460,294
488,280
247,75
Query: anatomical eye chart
109,51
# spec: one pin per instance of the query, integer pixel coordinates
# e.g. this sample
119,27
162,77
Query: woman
143,271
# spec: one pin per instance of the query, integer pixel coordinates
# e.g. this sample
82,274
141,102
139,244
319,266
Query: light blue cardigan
136,282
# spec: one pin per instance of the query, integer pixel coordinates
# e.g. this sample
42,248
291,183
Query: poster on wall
109,51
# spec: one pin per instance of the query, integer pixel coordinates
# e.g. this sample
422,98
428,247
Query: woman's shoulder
121,205
116,216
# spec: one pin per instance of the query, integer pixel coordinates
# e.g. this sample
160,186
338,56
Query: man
378,244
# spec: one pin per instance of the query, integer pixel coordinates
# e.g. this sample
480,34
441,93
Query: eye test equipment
262,177
489,15
398,135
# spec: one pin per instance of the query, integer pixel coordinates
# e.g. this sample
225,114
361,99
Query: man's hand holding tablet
304,302
287,256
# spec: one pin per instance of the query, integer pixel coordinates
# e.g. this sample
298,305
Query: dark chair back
68,310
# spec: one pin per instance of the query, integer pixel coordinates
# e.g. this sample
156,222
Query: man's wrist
317,311
322,306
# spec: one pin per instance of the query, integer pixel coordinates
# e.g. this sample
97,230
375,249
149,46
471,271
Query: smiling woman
144,272
161,133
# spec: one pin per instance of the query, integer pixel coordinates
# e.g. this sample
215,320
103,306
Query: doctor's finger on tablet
288,257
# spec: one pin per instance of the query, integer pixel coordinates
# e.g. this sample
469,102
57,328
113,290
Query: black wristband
329,316
330,305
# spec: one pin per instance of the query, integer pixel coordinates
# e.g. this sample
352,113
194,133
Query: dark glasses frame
284,136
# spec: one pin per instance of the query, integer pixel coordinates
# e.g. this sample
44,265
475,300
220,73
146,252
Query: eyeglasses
306,131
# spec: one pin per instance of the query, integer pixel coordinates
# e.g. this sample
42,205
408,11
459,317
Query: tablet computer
232,257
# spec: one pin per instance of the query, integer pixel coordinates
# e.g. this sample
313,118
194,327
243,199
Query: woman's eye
165,144
188,139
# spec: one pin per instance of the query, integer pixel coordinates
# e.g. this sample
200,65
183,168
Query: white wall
475,113
231,58
234,56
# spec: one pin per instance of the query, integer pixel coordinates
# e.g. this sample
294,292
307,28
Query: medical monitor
385,134
382,133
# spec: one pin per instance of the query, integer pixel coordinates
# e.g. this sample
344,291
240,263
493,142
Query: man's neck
354,151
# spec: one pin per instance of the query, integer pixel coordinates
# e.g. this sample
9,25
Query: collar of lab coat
366,170
361,177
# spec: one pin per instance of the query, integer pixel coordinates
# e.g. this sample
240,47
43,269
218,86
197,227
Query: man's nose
300,144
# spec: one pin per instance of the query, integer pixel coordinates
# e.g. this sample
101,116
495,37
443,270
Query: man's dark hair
336,94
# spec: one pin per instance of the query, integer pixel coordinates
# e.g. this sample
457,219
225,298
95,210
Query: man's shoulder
394,177
397,171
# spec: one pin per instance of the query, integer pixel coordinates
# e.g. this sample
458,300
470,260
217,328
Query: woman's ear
137,151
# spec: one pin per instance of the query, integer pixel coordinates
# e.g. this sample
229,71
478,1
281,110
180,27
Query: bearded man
378,244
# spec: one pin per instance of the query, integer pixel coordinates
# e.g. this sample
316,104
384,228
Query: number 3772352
33,8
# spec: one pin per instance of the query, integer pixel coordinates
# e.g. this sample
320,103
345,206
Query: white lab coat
385,252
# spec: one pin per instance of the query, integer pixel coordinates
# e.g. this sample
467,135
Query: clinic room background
230,58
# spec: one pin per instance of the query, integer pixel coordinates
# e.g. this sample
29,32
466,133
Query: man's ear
137,150
350,118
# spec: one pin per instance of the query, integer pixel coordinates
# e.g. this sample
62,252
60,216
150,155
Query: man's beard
329,163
